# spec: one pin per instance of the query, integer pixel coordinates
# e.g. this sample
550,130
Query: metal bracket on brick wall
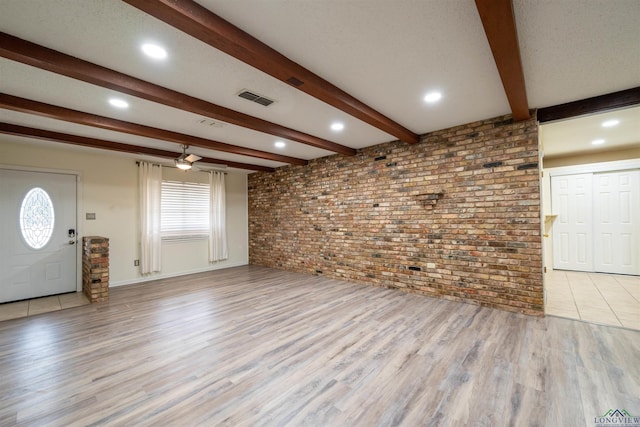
429,200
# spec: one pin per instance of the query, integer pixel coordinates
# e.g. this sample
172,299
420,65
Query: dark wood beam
23,105
596,104
499,25
199,22
38,56
66,138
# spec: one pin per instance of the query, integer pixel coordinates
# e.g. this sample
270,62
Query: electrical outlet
136,262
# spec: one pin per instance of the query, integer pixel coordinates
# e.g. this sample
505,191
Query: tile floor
32,307
607,299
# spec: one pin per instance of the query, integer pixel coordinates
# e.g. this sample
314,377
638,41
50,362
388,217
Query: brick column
95,268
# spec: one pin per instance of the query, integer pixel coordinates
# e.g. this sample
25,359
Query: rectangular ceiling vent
259,99
295,82
211,123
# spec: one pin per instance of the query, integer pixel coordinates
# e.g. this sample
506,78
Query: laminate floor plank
251,346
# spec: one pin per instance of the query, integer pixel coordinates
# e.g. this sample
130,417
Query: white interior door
38,234
571,200
617,222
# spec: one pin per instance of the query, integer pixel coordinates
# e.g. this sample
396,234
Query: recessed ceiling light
337,126
597,141
119,103
610,123
280,144
432,97
154,51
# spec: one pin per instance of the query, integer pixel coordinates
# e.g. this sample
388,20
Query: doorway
590,219
38,240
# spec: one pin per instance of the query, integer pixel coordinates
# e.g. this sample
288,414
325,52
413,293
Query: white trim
246,216
594,167
79,228
45,170
170,275
79,209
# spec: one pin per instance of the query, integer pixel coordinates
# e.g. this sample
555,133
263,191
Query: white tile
560,312
41,305
14,310
607,299
44,305
600,317
630,323
631,316
73,300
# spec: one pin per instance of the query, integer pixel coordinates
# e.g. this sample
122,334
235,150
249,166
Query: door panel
38,254
616,222
571,200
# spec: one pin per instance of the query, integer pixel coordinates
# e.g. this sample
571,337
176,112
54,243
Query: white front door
571,200
617,222
37,234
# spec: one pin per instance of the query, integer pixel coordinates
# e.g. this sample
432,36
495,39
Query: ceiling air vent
259,99
208,122
294,81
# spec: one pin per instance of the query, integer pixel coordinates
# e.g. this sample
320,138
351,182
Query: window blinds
185,210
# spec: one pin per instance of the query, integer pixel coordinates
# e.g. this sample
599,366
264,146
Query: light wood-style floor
255,346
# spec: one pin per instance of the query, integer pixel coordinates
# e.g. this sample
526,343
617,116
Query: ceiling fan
186,161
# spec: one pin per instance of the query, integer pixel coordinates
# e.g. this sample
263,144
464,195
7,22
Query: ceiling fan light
183,164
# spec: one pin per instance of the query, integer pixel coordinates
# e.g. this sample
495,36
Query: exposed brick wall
456,216
95,268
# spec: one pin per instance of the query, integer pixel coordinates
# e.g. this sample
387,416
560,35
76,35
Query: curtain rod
173,167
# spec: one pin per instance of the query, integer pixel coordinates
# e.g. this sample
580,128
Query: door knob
72,242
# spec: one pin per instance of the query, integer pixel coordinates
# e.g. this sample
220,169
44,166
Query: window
37,218
184,210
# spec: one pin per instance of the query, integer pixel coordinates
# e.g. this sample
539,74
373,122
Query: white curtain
150,182
217,218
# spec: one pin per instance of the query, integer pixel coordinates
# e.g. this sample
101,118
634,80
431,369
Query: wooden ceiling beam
596,104
28,106
23,51
499,25
45,135
202,24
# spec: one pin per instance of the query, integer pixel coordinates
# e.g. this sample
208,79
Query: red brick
357,219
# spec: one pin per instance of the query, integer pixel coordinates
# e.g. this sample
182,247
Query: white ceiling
386,53
577,135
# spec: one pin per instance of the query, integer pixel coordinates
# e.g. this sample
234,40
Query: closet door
617,222
571,200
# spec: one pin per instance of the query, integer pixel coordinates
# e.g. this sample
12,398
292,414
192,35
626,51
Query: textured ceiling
577,135
386,53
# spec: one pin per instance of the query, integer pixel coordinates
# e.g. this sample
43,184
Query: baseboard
150,278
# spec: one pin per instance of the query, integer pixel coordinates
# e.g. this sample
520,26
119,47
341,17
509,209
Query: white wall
109,189
589,158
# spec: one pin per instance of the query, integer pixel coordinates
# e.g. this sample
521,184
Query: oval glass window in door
37,218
